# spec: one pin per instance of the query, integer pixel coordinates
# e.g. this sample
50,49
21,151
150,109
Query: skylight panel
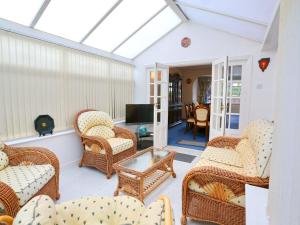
151,32
20,11
73,19
122,22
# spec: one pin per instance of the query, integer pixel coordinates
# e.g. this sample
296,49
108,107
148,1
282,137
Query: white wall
284,196
67,146
209,44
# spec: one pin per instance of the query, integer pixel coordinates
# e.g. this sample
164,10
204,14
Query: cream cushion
101,131
247,156
119,210
39,211
3,160
260,136
117,144
90,119
221,155
26,181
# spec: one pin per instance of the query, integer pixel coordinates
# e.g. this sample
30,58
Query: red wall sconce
263,63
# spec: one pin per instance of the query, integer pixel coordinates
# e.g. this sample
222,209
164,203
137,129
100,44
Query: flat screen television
139,113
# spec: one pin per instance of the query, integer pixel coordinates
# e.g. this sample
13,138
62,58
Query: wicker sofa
214,189
122,210
103,143
24,173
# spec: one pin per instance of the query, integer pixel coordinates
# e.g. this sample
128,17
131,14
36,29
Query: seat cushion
203,124
117,144
120,144
39,211
222,155
191,120
90,119
101,131
26,181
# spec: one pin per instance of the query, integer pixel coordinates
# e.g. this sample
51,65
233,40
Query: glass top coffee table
141,173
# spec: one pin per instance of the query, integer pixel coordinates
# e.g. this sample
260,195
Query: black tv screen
139,113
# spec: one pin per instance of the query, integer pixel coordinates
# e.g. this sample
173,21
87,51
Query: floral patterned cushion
38,211
117,144
89,211
90,119
101,131
260,136
26,181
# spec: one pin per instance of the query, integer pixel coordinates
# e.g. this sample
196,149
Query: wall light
263,63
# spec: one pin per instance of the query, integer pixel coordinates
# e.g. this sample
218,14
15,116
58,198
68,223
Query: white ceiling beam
13,27
177,10
39,13
138,29
248,20
101,20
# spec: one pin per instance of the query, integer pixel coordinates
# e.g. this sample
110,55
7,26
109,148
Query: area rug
193,143
184,157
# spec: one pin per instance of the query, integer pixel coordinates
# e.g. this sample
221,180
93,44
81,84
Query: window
122,22
22,12
151,32
41,78
73,19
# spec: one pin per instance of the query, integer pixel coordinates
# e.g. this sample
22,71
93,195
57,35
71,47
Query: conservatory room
149,112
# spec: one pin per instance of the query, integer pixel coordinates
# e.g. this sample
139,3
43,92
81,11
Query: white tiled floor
77,182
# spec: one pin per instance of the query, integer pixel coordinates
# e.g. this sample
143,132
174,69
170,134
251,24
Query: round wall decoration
44,124
189,80
185,42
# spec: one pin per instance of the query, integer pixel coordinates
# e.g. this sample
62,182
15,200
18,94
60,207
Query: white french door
218,97
227,111
158,83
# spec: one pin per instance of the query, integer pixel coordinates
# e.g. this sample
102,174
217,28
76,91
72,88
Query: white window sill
38,138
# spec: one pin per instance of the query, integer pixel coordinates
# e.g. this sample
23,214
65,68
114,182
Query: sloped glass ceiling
122,27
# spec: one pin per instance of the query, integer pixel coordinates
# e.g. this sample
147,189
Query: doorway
194,89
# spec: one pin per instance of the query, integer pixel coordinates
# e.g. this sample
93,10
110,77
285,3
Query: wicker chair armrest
102,142
9,199
167,210
236,182
224,142
6,220
124,133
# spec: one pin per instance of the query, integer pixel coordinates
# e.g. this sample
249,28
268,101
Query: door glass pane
215,88
151,100
159,73
220,89
152,75
222,72
214,124
235,105
237,72
151,89
236,89
227,121
234,121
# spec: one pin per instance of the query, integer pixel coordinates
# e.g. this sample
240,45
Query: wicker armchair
214,189
104,144
30,172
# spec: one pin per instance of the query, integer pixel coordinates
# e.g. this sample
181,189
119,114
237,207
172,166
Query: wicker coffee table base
140,184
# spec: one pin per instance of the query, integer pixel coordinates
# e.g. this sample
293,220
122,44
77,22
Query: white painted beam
43,36
39,13
101,20
177,10
248,20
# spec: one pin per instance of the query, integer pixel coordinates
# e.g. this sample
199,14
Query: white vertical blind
39,78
